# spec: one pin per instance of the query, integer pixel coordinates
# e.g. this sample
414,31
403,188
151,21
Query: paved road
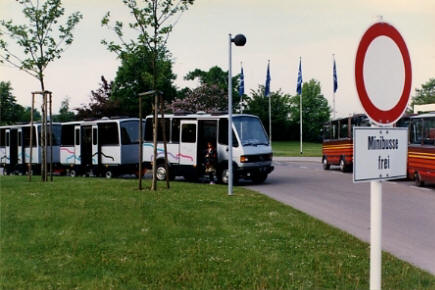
331,196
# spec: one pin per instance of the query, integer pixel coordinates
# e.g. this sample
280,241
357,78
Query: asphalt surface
408,229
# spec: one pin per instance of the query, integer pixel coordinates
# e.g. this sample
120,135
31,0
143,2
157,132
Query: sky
281,31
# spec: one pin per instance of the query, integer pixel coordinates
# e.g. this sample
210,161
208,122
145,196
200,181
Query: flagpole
270,112
333,88
300,107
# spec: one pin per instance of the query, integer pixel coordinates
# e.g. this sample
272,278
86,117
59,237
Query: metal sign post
383,79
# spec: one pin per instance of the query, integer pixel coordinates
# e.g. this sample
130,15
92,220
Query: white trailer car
188,135
15,147
106,147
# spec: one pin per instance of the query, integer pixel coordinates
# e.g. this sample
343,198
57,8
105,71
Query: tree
10,111
152,26
207,98
315,111
43,39
426,94
65,115
101,104
257,104
134,77
215,76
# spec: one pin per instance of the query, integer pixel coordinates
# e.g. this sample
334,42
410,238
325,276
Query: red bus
421,149
337,147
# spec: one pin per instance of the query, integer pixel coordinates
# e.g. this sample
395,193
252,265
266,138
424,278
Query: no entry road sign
383,73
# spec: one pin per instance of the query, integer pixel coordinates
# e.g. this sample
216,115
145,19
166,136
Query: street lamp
140,135
239,40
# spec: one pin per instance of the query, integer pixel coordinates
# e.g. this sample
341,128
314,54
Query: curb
298,159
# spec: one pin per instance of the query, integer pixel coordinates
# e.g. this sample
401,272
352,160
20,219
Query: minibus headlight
244,159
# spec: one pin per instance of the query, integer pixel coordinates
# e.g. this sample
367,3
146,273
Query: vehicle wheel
325,164
73,173
108,174
223,176
418,180
259,178
161,172
343,166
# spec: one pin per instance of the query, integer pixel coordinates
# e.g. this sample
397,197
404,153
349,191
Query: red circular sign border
377,115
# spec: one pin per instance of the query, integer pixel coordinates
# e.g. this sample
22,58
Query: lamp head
239,40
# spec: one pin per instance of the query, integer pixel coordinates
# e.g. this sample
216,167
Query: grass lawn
100,234
293,148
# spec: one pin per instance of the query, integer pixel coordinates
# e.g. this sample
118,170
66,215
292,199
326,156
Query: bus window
2,137
327,132
334,128
344,133
149,130
77,137
108,133
429,131
129,132
416,131
223,133
175,138
67,138
189,133
160,130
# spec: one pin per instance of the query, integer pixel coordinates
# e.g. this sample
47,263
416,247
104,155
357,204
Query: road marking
422,188
303,167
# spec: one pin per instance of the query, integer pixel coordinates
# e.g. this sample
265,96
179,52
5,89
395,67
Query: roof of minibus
26,125
425,115
108,120
202,116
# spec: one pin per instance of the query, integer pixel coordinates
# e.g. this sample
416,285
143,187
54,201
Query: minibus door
11,146
188,142
77,151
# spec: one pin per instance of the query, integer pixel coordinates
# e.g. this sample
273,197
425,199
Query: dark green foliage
315,111
258,105
101,104
135,76
426,94
65,115
215,76
10,111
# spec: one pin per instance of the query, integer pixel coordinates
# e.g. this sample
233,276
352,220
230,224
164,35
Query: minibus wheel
343,166
417,179
161,172
73,173
108,174
223,176
325,164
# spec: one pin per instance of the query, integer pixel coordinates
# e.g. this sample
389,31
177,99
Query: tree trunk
155,127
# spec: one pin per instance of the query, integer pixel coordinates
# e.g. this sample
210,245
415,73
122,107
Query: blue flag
299,84
334,77
242,84
267,86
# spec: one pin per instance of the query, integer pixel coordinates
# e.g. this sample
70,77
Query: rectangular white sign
379,153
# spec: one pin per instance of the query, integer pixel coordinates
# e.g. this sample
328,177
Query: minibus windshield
250,131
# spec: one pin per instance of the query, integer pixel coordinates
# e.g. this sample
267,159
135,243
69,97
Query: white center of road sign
384,73
379,153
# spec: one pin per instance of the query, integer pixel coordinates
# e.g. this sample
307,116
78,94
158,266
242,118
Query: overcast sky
279,30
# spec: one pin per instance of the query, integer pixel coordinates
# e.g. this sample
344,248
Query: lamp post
140,135
239,40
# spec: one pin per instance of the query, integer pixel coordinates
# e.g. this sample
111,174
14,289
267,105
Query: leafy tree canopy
42,39
425,94
258,104
135,76
10,111
315,110
207,98
101,104
65,115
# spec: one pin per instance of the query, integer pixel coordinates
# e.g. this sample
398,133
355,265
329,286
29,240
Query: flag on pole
267,86
334,76
242,84
299,84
